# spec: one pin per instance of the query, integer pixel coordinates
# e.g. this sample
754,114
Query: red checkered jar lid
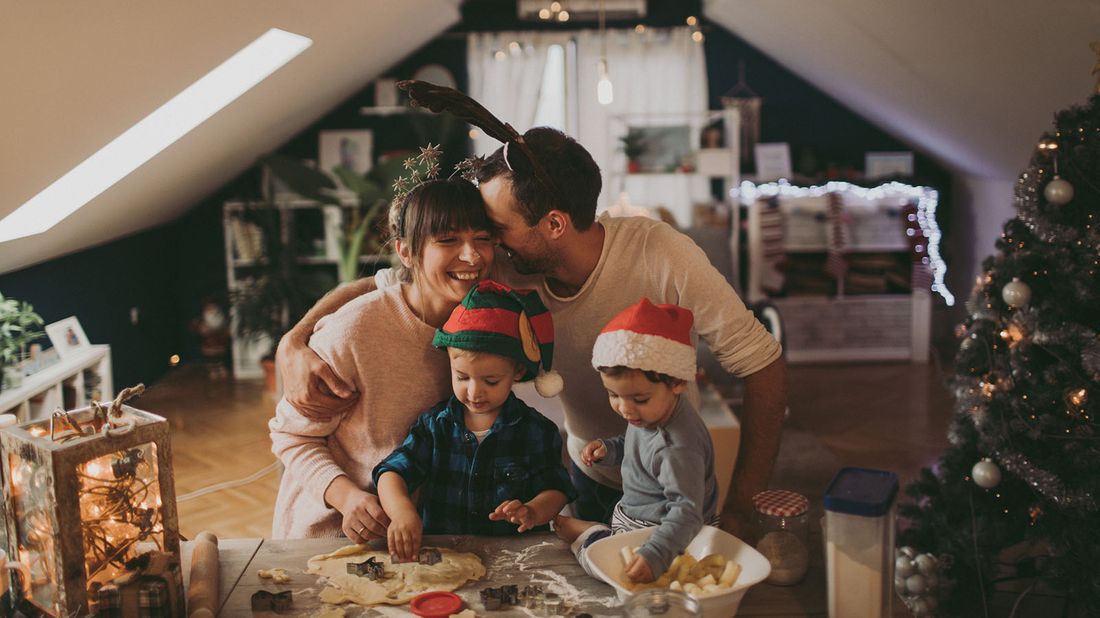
780,503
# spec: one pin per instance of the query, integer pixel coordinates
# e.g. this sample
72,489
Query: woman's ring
360,531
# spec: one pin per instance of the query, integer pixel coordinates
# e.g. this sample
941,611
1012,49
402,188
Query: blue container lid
861,491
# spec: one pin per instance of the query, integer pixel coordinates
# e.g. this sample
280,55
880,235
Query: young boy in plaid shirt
483,461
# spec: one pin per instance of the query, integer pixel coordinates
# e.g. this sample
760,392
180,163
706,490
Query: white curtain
659,79
505,72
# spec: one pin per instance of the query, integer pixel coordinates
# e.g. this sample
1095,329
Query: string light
604,91
926,198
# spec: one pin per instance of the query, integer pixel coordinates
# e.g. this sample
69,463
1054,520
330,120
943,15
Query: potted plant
18,327
633,146
372,192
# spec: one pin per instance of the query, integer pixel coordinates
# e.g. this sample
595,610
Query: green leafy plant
18,327
373,193
633,144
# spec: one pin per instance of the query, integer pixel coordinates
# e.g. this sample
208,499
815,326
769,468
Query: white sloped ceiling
77,74
971,83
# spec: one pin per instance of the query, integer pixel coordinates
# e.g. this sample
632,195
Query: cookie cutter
427,555
370,568
491,598
278,602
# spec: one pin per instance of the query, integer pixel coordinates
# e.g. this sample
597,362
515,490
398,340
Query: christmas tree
1017,494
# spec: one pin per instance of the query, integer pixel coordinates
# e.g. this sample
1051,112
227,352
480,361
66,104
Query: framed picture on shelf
773,161
886,164
67,336
351,149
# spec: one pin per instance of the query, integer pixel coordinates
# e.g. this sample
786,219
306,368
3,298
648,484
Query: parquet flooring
889,416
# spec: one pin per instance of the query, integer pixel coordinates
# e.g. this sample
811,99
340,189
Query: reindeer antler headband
440,99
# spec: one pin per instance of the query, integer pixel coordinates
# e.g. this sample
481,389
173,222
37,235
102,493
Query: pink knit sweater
377,344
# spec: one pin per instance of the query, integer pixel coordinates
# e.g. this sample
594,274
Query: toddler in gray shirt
645,359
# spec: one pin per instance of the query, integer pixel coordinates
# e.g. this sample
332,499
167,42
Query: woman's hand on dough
515,512
403,536
364,518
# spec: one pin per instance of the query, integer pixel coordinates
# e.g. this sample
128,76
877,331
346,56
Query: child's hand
638,571
403,535
515,512
593,451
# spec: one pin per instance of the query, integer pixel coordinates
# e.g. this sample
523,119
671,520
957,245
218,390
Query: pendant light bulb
604,92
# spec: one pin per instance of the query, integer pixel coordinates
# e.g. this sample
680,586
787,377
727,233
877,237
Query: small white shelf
68,384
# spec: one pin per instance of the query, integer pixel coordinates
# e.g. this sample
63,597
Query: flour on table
330,611
466,613
401,582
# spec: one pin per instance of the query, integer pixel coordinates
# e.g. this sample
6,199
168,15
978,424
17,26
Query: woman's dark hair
436,207
574,177
652,376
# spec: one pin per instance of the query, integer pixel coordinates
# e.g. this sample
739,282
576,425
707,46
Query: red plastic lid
436,604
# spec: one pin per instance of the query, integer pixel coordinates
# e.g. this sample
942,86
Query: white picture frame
885,164
351,148
773,161
67,337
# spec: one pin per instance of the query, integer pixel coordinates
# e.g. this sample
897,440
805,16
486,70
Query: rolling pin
202,594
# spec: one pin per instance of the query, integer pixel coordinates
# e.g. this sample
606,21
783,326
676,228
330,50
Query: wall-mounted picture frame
67,337
888,164
350,148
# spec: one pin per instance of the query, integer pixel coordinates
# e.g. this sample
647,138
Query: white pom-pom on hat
549,383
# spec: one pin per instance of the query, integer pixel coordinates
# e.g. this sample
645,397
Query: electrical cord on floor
255,476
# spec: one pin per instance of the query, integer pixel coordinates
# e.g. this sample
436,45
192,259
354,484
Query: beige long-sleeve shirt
377,344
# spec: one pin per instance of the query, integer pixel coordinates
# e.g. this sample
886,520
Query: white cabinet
68,384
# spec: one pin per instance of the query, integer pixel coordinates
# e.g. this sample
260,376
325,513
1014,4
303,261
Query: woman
381,343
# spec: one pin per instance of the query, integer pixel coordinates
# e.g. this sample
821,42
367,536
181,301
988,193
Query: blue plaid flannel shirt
461,481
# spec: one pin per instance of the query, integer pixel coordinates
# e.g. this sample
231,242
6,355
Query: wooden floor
888,416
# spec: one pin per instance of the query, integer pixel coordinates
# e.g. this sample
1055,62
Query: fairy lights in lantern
86,491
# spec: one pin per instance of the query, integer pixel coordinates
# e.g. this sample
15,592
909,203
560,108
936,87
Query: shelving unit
68,384
844,327
681,190
310,228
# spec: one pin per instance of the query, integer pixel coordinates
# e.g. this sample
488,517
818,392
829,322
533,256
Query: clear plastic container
664,603
859,542
782,534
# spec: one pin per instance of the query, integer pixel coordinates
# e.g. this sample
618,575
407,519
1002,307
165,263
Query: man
586,271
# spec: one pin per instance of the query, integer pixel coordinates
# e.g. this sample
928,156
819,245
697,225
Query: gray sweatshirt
668,479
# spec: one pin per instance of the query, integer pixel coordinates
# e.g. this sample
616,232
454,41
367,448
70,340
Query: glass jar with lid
782,534
662,602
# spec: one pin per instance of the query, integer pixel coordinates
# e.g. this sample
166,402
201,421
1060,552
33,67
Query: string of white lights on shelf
925,197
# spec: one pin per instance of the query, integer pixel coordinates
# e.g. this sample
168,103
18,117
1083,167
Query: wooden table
526,559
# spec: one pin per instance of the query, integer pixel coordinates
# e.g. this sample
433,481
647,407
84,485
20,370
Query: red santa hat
650,338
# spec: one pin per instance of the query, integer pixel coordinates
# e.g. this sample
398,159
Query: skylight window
160,129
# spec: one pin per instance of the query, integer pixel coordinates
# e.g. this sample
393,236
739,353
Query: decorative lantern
85,492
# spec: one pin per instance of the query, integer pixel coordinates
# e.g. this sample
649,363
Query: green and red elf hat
650,338
496,319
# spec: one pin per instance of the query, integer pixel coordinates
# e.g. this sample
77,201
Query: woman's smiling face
452,262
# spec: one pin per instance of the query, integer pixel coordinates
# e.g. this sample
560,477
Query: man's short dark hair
570,167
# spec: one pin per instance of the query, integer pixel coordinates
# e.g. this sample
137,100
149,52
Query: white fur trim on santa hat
646,352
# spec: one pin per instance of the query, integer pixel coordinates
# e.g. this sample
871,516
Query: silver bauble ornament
986,474
915,584
926,564
903,566
1058,191
920,607
899,585
1016,293
907,551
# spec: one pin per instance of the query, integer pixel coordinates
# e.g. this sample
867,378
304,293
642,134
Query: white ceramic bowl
606,561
